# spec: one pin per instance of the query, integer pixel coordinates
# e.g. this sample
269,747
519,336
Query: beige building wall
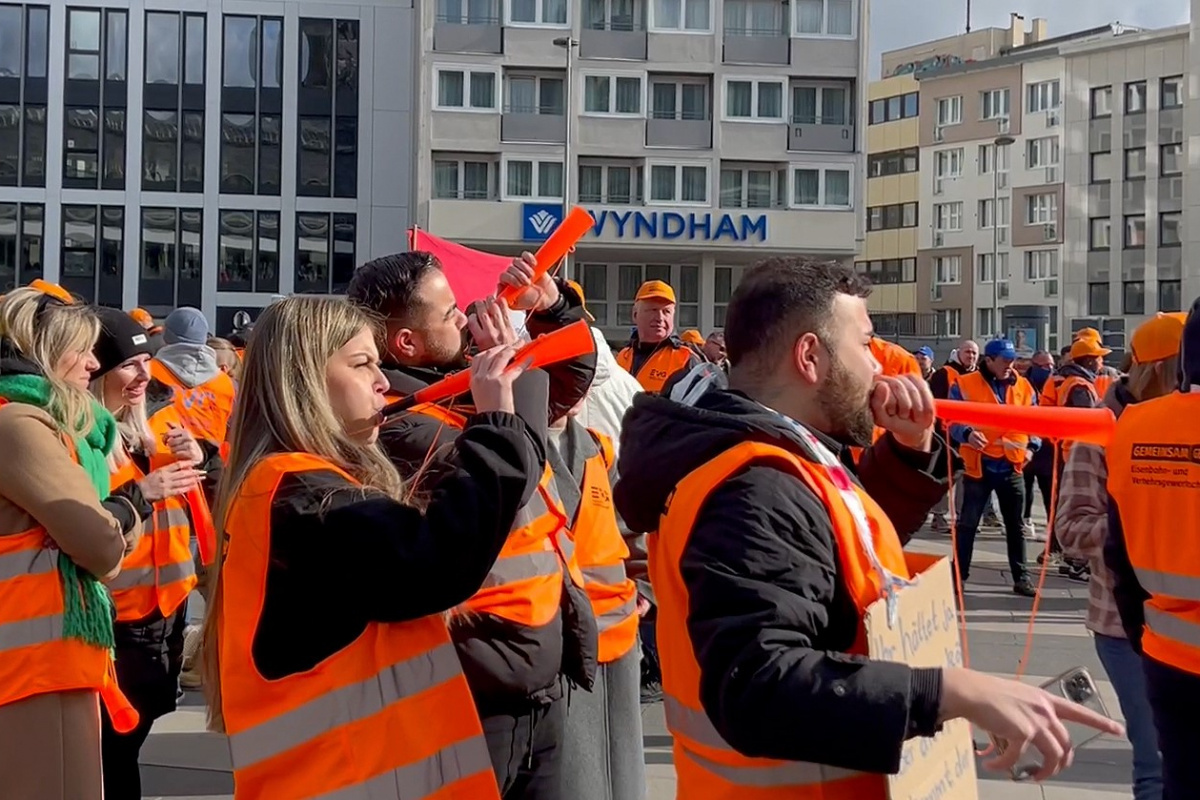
974,46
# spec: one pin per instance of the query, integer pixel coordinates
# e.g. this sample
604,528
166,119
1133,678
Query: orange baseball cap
1158,338
1086,346
692,336
656,290
141,316
583,300
1087,333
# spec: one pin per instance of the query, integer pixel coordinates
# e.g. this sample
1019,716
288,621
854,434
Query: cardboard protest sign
924,633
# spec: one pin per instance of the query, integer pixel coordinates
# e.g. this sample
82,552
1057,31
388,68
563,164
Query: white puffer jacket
611,395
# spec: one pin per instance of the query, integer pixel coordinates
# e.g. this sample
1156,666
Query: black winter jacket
769,619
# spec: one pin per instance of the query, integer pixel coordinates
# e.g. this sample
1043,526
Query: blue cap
924,351
1000,348
185,326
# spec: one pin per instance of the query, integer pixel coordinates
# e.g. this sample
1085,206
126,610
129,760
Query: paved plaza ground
182,762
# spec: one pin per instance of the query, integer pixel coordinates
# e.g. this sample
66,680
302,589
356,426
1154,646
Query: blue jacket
961,433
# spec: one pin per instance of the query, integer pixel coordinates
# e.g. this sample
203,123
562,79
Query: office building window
612,95
171,258
251,105
947,270
884,218
821,187
1042,96
754,100
889,270
535,94
22,242
680,15
984,322
24,45
466,177
985,268
947,217
1099,233
751,187
948,163
1041,208
685,281
894,162
550,13
325,246
1135,97
1041,265
993,212
947,322
890,109
532,180
1101,168
1135,163
1135,231
173,122
611,183
1042,152
466,89
1102,102
1098,299
679,99
678,183
993,156
825,17
327,139
1171,92
93,253
1133,297
611,15
949,110
94,97
821,104
248,255
1170,229
993,104
1170,159
1170,296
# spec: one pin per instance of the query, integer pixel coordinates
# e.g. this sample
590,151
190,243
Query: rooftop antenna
968,16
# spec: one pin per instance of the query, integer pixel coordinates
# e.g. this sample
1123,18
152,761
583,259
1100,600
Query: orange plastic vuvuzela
1087,425
568,232
573,341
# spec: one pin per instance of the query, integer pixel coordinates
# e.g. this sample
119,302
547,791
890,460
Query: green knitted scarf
87,606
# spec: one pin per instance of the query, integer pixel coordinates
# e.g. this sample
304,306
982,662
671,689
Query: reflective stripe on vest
1152,479
387,717
601,551
1010,445
658,368
707,767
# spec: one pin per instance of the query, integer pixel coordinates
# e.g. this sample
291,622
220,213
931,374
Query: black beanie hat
120,339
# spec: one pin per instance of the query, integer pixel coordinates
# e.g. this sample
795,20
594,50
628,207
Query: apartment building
991,259
703,136
1124,115
213,154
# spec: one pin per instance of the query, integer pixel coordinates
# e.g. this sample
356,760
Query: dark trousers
1010,496
1045,485
526,751
119,755
1175,699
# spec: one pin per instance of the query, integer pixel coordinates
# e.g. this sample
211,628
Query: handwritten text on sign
925,635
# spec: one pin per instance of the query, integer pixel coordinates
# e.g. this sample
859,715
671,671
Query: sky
900,23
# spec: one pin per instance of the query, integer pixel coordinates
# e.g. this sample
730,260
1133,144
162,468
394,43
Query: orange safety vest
204,409
894,359
35,657
707,767
525,584
389,716
601,552
1049,394
656,370
1001,444
952,376
1103,382
1153,476
160,572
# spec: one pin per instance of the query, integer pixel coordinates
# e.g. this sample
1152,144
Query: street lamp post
1001,141
569,44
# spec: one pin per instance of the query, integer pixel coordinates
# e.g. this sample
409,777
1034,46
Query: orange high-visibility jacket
35,657
389,716
204,409
1153,474
656,370
707,767
601,552
1001,444
160,572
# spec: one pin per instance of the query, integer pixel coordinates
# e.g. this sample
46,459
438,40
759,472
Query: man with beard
993,460
529,632
759,558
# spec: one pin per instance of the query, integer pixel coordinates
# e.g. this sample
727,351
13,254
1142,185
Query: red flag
472,274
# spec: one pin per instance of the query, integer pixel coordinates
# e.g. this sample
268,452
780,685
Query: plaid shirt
1081,525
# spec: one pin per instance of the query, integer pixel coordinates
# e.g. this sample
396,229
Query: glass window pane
550,179
114,148
345,157
591,184
668,14
33,168
162,48
10,144
483,90
272,53
84,30
37,42
312,178
520,178
193,50
695,101
81,134
237,153
445,180
620,185
837,187
33,219
8,246
83,67
450,89
523,10
344,235
312,253
807,187
662,182
629,96
241,52
770,100
662,100
160,154
235,251
267,275
191,231
191,170
316,53
694,185
270,155
10,56
476,183
116,45
595,93
738,98
347,58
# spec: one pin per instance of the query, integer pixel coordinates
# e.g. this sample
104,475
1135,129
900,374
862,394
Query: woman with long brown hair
328,660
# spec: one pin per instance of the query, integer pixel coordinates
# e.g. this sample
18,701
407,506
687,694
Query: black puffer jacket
769,618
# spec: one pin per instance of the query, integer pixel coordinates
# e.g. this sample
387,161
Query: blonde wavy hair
132,423
283,407
45,338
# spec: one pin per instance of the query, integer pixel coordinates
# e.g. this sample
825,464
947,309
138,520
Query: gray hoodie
193,364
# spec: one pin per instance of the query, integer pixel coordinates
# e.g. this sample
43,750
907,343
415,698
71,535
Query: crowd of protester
474,598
